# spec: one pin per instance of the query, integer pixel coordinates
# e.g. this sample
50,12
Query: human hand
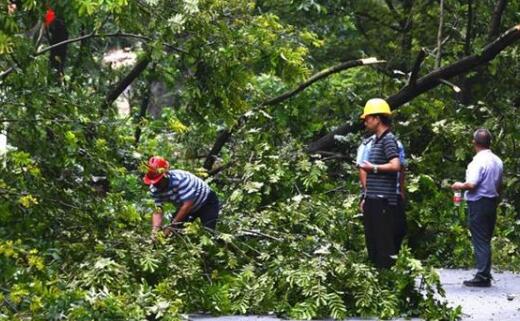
367,166
168,231
457,186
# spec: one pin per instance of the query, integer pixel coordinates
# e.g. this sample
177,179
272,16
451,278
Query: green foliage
290,238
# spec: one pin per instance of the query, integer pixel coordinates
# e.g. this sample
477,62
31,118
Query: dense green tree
252,87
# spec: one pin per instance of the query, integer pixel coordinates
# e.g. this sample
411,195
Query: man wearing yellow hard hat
380,199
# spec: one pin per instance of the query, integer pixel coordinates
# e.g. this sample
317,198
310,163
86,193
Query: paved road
501,302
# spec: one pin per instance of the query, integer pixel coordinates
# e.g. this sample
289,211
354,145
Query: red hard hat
157,168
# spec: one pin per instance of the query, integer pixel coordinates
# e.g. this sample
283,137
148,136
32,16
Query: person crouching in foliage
192,196
380,200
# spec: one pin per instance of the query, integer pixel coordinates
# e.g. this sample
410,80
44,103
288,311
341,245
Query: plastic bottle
457,198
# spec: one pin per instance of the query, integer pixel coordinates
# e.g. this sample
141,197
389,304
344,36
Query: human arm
462,186
183,211
363,182
472,178
363,179
393,166
157,218
391,153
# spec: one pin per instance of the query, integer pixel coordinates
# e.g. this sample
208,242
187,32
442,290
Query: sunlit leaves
28,201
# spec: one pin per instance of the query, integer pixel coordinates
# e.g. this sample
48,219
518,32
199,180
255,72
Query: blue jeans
481,220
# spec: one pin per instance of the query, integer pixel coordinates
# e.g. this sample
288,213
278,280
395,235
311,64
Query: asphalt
500,302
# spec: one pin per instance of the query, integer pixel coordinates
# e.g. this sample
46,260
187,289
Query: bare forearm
463,186
363,179
391,167
157,218
183,211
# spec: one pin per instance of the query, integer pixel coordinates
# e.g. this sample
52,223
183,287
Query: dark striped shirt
183,186
382,185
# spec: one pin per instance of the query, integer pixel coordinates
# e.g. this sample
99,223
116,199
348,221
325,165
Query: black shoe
478,281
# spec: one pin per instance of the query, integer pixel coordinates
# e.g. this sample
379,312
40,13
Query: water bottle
457,198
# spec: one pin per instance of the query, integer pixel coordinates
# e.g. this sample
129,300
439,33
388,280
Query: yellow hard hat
376,106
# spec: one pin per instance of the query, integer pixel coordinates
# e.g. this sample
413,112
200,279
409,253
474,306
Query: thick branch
121,86
428,82
142,110
494,27
469,28
224,136
416,66
439,35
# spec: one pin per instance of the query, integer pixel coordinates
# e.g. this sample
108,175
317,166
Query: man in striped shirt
380,199
363,154
192,196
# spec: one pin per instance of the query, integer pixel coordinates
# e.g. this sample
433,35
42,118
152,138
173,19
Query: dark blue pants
481,220
208,213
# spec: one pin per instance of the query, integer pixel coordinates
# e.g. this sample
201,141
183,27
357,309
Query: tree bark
466,94
142,111
494,27
429,81
416,67
439,35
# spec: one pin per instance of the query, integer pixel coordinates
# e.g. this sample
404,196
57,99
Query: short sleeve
390,147
186,190
473,173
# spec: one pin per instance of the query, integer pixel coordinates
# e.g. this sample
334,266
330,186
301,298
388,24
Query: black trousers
379,223
481,220
399,223
208,213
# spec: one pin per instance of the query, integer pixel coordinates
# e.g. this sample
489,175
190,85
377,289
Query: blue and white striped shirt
363,153
183,186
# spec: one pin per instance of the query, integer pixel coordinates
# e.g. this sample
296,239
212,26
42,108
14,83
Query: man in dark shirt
380,199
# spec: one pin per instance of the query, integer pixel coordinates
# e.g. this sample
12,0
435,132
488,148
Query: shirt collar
377,139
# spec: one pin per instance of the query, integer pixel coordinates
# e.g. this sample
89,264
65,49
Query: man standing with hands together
483,186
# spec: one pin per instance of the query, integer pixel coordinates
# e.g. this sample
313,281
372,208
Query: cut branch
224,136
429,81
